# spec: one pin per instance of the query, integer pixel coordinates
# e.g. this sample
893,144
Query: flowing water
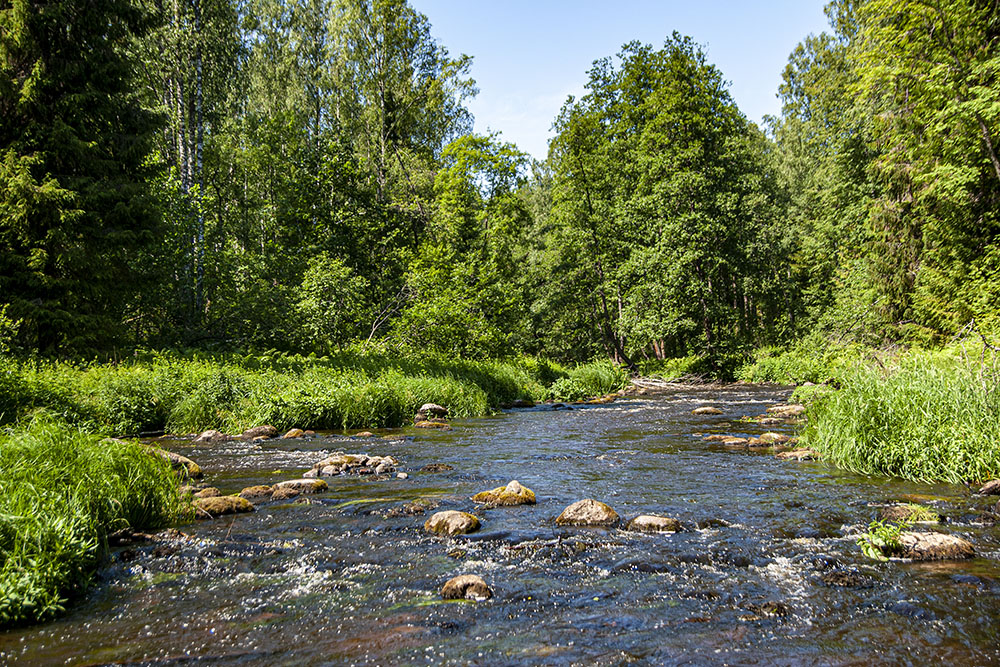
767,570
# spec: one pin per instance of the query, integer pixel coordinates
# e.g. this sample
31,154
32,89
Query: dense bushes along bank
62,493
350,390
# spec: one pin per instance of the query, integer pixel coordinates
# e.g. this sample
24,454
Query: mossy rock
512,494
208,508
182,464
303,485
259,492
909,513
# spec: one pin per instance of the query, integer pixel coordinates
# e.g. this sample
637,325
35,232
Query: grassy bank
62,492
922,416
184,394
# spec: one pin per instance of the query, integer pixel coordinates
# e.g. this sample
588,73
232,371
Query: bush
62,492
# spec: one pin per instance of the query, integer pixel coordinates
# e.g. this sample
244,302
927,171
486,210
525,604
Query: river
766,570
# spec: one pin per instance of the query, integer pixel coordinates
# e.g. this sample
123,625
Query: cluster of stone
357,464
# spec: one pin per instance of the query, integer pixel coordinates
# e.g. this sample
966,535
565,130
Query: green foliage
882,540
591,380
673,369
927,417
63,493
811,359
330,302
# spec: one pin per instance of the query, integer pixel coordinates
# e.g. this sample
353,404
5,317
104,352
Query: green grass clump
62,492
930,417
882,540
589,380
812,359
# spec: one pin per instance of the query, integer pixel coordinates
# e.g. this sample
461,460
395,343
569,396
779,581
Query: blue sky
530,55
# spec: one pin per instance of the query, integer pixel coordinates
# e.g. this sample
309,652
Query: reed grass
62,492
925,417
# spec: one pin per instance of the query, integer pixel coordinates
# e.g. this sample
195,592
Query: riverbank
171,393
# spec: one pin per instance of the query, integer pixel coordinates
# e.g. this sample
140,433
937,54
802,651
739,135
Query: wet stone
991,488
303,485
437,467
358,464
707,410
182,464
260,492
433,409
588,512
787,410
221,505
935,546
466,587
844,579
774,438
435,423
799,455
210,492
511,494
294,433
264,431
647,523
212,437
451,522
900,512
285,493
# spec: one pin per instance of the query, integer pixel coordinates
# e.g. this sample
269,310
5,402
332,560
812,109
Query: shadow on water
766,571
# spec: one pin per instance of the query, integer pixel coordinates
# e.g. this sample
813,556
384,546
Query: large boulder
646,523
466,586
587,512
707,410
512,494
935,546
264,431
451,522
303,485
208,508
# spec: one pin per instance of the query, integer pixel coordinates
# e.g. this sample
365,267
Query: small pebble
401,475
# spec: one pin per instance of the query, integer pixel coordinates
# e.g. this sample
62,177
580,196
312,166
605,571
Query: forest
219,213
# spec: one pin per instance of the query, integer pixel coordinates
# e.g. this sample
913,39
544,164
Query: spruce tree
73,143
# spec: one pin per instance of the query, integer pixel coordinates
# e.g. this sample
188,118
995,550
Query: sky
528,56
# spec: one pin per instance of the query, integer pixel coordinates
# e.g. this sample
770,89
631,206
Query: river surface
767,570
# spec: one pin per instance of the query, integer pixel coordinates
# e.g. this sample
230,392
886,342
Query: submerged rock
451,522
181,464
721,437
512,494
466,587
991,488
588,512
303,485
264,431
260,492
437,467
799,455
935,546
221,505
427,423
707,410
364,434
647,523
294,433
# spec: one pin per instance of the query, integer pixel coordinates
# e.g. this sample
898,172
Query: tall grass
62,492
813,359
929,417
588,380
349,390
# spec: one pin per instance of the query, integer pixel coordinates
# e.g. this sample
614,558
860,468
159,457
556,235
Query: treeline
240,174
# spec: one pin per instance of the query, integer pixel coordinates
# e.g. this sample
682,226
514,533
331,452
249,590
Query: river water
767,570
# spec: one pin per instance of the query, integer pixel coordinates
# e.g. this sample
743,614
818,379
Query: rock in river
294,433
707,410
512,494
433,409
429,423
991,488
798,455
303,485
451,522
646,523
221,505
210,492
212,437
908,512
361,464
260,492
787,410
588,512
935,546
264,431
466,586
181,464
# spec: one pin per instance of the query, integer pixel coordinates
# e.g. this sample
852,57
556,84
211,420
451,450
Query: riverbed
766,570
